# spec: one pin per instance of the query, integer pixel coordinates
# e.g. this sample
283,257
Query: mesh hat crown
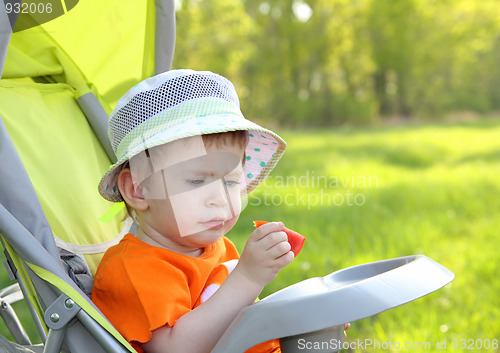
179,104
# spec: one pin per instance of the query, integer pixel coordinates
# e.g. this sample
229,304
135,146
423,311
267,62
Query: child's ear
130,191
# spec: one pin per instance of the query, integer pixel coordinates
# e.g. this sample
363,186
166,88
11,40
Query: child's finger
346,327
270,240
285,259
279,249
266,229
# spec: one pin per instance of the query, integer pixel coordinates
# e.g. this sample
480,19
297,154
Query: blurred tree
444,55
215,36
391,26
313,72
325,62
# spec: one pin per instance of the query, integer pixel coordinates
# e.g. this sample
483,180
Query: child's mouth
214,224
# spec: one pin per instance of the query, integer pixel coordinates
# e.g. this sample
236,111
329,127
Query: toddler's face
193,190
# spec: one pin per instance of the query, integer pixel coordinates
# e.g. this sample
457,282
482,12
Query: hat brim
263,150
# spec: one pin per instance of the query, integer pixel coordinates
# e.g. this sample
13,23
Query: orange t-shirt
134,279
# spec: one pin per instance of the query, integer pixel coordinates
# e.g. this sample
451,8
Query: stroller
55,96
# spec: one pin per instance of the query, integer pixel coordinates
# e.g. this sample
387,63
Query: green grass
423,189
427,189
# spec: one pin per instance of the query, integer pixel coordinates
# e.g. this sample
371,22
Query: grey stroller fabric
78,271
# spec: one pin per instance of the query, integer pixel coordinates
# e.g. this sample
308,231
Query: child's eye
196,182
230,183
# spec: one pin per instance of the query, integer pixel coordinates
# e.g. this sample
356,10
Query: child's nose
218,196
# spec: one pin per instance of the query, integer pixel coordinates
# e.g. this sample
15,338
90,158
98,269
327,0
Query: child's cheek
185,211
154,187
236,203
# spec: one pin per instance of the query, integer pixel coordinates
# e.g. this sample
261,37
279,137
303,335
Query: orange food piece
295,239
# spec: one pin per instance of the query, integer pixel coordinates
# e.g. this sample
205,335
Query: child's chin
207,237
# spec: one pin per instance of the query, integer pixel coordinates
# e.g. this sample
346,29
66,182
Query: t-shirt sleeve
230,250
132,296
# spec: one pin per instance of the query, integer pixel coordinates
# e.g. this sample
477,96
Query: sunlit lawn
376,193
427,189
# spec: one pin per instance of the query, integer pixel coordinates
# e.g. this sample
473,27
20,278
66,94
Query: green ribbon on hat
112,212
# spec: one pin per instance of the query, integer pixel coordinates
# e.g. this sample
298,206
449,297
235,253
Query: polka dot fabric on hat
260,151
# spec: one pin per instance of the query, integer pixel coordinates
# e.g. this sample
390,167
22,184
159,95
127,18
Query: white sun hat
183,103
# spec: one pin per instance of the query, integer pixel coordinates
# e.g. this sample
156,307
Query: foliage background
329,62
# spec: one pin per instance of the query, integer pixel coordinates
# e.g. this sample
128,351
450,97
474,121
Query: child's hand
346,327
266,252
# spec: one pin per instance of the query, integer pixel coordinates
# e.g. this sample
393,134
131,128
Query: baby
186,156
